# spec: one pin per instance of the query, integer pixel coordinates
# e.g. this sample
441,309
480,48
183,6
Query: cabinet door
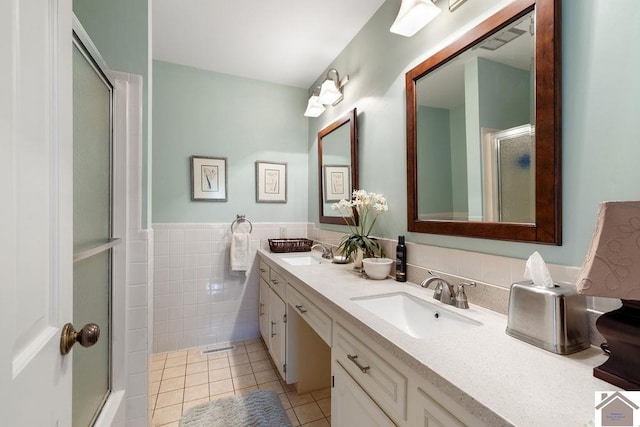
263,268
377,376
350,405
277,331
430,413
263,311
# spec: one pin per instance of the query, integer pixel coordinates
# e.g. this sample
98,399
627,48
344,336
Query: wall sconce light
330,93
413,15
612,270
331,89
314,107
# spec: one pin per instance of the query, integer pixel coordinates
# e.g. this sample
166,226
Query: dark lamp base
621,329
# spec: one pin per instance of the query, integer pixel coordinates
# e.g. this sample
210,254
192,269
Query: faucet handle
461,296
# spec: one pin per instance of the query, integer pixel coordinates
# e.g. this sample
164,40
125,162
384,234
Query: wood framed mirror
484,130
337,165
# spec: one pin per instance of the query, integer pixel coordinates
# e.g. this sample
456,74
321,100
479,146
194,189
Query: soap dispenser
401,260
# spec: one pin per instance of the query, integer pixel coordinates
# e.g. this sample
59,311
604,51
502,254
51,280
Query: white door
35,211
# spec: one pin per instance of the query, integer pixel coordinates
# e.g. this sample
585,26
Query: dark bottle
401,260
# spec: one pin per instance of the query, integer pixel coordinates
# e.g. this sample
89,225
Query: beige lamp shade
612,265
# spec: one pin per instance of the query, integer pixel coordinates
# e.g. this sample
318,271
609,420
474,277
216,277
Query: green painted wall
458,159
434,154
120,31
199,112
472,139
601,105
500,108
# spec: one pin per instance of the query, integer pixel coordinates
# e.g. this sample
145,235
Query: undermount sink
303,260
414,316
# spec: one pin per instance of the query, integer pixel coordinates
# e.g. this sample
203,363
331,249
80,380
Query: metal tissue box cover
554,319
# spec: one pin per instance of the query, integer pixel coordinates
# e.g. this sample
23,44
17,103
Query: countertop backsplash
493,274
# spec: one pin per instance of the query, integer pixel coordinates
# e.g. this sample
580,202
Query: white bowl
377,268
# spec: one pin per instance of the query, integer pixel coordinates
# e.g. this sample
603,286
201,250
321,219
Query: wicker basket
290,245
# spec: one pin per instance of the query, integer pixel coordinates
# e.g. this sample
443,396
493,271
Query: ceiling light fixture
331,89
314,107
413,15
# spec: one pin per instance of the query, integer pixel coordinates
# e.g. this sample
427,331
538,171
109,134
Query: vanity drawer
263,268
316,318
378,379
277,282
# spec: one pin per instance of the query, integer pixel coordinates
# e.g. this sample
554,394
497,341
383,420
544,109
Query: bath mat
258,408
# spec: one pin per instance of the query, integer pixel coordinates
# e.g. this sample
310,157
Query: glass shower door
92,228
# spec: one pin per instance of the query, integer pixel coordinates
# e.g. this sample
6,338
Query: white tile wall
139,283
196,299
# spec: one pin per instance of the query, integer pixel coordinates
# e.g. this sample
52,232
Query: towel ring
239,219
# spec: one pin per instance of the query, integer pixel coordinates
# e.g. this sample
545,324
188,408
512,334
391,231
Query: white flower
381,207
363,202
368,207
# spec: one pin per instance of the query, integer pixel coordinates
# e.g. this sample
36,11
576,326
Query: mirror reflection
475,131
337,165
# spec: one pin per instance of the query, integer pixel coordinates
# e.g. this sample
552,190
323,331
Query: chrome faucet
461,298
327,252
443,291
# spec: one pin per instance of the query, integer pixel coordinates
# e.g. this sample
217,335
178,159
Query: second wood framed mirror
484,130
337,165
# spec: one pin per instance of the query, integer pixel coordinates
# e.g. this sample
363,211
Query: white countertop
497,378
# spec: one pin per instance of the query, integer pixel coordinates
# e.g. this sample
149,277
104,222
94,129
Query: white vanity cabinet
263,309
350,405
398,394
373,374
370,386
272,317
278,332
427,412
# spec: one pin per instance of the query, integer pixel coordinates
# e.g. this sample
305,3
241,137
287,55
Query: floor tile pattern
183,379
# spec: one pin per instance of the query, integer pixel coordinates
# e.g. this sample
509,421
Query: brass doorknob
87,336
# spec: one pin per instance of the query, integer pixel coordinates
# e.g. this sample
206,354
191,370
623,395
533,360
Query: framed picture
271,182
337,183
454,4
209,178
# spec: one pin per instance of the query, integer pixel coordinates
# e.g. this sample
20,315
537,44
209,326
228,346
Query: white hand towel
239,253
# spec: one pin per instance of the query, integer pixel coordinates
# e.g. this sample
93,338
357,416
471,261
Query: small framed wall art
209,178
271,182
337,185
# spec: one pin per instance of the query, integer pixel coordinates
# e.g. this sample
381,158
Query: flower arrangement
368,207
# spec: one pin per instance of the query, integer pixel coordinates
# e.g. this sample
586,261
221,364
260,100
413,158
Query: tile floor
183,379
